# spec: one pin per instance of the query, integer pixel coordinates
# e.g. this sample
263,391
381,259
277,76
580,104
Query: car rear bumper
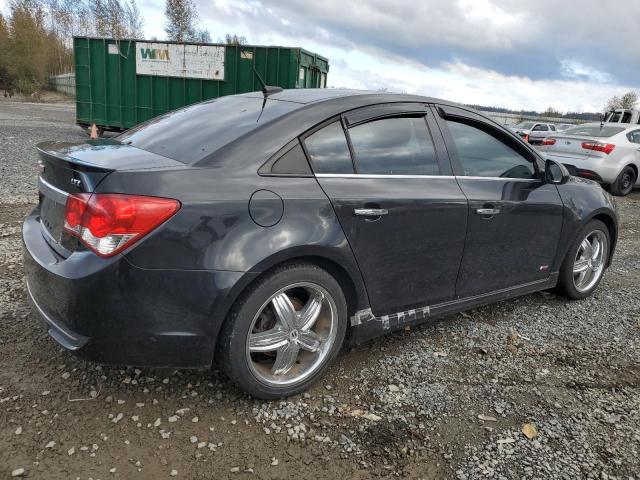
593,168
110,311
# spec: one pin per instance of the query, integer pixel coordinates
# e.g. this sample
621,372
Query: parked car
623,115
263,231
608,153
533,132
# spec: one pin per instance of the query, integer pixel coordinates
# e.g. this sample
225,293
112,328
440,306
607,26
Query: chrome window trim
368,175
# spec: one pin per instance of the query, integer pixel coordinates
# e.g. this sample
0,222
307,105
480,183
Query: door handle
370,212
487,211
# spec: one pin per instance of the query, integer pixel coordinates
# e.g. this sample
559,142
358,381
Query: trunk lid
570,146
72,168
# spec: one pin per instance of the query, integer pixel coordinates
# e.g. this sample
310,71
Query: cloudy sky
569,54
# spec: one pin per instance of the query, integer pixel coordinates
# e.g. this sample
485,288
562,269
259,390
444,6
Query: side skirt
367,326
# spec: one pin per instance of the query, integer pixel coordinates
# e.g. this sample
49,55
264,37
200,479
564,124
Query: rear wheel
586,261
284,332
624,183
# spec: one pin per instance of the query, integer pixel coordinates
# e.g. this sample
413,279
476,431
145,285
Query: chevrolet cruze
259,231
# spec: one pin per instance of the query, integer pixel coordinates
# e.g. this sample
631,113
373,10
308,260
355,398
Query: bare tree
628,100
203,36
234,39
133,20
181,20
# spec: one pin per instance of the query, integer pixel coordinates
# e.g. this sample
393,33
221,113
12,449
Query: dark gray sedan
263,230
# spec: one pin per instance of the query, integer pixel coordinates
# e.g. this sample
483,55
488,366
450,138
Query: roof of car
314,95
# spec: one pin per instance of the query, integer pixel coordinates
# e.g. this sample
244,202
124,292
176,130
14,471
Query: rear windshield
594,131
525,125
192,133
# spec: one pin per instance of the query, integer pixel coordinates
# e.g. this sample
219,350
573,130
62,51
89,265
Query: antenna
266,89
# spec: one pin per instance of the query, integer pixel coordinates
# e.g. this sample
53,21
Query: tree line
36,36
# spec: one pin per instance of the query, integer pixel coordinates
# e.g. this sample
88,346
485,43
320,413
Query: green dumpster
121,83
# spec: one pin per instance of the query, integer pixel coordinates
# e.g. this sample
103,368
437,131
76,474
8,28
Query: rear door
386,172
515,218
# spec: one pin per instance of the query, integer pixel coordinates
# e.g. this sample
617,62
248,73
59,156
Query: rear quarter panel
214,230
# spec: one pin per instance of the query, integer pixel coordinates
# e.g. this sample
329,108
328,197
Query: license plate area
52,217
52,205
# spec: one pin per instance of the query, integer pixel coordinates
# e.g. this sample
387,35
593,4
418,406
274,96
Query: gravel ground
536,387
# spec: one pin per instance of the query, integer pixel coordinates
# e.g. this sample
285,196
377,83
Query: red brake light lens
606,148
549,141
107,223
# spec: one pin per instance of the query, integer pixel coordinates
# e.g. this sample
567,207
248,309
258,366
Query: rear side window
329,150
540,128
483,155
293,162
634,137
394,146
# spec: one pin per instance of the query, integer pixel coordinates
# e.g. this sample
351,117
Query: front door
401,209
515,218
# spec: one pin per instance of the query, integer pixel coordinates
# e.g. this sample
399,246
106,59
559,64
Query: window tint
483,155
552,127
594,130
540,128
394,146
293,162
329,151
192,133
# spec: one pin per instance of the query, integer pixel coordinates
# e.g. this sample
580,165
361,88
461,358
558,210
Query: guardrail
65,83
513,118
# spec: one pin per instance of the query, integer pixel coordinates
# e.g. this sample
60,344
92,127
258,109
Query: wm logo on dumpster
154,54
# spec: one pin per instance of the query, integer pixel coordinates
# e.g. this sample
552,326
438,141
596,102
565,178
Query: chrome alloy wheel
292,334
590,260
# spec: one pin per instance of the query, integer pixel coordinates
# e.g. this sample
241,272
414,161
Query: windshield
524,125
192,133
594,131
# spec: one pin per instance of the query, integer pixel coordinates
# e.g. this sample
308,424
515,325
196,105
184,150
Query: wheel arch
612,226
342,269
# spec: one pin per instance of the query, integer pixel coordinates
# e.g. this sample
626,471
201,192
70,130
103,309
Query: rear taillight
599,147
549,141
526,138
107,223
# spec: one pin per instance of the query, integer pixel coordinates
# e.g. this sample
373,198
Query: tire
258,322
569,283
624,183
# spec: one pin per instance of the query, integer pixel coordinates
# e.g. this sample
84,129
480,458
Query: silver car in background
608,153
533,132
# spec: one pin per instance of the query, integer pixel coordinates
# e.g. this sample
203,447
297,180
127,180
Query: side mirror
555,172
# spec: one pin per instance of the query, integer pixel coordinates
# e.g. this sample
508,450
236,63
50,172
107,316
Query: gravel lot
537,387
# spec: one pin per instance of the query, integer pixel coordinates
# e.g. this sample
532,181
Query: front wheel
586,261
284,332
625,182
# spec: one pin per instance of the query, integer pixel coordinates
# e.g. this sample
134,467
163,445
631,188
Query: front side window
483,155
540,128
394,146
329,150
